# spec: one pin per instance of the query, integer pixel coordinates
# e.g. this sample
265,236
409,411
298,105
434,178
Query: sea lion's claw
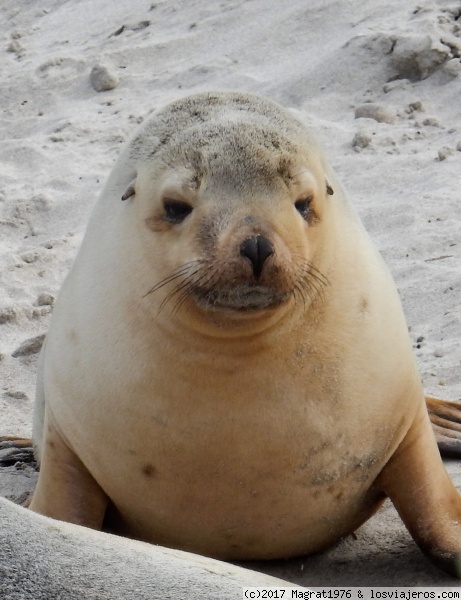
446,423
16,450
11,441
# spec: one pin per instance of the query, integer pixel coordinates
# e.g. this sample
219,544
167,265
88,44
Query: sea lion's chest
222,448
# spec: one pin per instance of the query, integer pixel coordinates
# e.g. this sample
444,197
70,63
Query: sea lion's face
234,232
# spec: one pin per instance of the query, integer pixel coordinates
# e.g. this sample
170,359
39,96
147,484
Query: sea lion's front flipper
66,490
446,423
424,495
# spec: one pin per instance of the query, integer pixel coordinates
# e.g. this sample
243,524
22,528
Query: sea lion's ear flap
330,190
130,191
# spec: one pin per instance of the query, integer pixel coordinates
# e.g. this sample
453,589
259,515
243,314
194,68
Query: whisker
189,284
313,282
164,282
175,275
204,280
185,293
298,288
178,288
317,286
307,287
180,301
196,278
318,274
309,268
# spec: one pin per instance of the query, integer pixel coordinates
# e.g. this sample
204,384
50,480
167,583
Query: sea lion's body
235,379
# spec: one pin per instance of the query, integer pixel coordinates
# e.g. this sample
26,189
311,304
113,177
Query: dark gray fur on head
199,119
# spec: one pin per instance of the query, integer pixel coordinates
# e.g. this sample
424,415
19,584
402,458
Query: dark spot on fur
352,466
159,420
207,236
208,233
149,470
72,336
285,168
250,220
317,449
339,496
51,444
196,180
363,306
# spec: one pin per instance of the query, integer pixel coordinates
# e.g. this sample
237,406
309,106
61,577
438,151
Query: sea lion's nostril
257,249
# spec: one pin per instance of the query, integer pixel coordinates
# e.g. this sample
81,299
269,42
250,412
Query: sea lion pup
228,370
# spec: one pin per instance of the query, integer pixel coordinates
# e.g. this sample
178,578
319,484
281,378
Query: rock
445,152
416,56
416,106
133,27
7,315
139,26
15,47
362,139
397,84
432,122
378,112
45,299
41,202
31,346
452,68
30,257
103,79
17,395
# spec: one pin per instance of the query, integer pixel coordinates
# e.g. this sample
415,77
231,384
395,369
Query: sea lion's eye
303,206
176,211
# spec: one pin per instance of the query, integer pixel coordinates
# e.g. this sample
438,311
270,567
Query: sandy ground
333,62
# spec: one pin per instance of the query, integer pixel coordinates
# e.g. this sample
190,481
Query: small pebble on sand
102,78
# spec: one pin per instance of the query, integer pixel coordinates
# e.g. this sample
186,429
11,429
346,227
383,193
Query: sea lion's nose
257,249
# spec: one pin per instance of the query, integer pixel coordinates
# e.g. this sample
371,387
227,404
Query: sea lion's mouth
206,287
240,298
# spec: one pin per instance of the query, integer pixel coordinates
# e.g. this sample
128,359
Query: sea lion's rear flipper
446,422
416,481
16,449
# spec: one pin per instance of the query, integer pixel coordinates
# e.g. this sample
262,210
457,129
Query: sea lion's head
231,197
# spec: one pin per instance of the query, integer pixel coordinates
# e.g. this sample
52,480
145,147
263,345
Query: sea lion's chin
242,299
